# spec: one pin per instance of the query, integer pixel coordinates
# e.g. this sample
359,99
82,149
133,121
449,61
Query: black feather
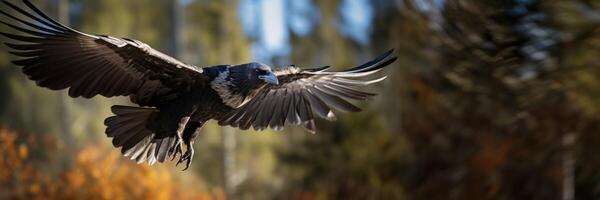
292,114
366,66
310,126
34,33
40,13
302,107
275,122
30,24
23,12
336,102
342,94
317,105
263,114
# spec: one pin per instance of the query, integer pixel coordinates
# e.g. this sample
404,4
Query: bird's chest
209,105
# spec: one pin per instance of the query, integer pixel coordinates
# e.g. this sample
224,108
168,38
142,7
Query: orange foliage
95,173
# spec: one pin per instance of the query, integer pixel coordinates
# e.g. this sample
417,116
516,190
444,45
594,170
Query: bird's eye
260,72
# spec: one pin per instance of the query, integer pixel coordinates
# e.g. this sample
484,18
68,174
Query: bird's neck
229,89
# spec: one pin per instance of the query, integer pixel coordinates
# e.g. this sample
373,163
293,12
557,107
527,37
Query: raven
176,99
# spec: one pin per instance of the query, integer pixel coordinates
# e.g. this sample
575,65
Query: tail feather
132,138
129,130
125,132
162,147
137,152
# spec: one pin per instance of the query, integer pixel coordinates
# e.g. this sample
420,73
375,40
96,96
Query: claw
187,157
184,157
179,161
177,149
187,164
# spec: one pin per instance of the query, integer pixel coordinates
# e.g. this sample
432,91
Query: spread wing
302,94
58,57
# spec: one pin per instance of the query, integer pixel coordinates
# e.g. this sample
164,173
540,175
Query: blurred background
489,100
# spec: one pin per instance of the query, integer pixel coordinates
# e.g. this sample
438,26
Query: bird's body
174,100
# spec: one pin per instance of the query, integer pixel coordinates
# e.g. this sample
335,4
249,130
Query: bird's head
240,83
251,76
254,75
263,73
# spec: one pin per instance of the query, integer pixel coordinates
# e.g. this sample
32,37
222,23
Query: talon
187,165
187,156
177,149
179,161
184,157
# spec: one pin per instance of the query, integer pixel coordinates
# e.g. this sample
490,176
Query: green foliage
363,164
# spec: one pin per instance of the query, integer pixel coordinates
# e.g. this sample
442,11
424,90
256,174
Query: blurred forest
489,100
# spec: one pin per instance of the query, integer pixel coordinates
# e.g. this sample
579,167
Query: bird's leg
178,148
189,136
188,155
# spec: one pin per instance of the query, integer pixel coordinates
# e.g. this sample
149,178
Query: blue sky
271,22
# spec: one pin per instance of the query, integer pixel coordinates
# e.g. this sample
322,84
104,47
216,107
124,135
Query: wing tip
379,66
375,63
376,80
6,2
310,127
331,116
388,52
392,60
319,69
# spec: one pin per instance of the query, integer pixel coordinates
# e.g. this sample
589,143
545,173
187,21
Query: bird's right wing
59,57
304,92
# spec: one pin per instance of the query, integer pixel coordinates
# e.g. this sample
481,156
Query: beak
270,78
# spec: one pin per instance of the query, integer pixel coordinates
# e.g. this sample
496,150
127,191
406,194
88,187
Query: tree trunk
568,141
177,29
229,172
228,135
64,99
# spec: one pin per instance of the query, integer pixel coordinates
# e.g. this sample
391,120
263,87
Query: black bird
176,99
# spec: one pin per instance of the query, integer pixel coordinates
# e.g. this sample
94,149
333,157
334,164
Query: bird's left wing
59,57
303,93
